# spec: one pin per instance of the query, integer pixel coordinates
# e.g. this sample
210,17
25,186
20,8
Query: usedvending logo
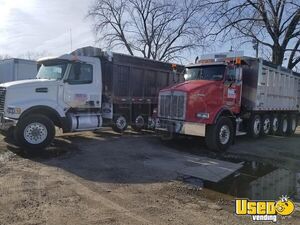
264,210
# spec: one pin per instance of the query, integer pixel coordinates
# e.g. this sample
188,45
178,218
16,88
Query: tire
283,126
120,123
255,126
266,125
275,124
292,124
27,128
220,136
138,123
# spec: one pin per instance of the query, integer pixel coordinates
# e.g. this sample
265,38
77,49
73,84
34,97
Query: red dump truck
226,95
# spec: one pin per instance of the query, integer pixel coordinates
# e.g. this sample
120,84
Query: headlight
14,110
202,115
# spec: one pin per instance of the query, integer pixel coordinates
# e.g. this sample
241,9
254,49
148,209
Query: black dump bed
132,79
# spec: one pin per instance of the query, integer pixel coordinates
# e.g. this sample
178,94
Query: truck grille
172,105
2,98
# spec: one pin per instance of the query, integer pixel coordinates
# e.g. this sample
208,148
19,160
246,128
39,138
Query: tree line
166,29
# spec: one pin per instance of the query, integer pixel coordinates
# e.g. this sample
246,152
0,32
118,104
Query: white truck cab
66,93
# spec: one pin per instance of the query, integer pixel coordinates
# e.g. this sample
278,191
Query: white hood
32,82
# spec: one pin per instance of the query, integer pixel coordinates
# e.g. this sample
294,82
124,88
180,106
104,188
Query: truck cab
66,93
212,88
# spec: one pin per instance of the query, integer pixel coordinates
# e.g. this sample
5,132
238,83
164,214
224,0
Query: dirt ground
104,178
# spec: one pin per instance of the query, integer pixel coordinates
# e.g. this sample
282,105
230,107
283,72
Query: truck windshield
205,73
52,71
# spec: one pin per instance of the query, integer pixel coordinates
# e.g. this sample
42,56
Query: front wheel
220,136
35,131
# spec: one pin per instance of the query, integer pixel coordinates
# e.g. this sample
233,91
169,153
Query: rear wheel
275,124
35,131
292,124
266,125
138,123
255,126
220,135
119,123
283,126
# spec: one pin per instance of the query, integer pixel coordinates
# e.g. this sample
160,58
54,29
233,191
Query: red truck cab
210,95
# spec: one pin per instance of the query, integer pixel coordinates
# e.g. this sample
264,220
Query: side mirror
238,74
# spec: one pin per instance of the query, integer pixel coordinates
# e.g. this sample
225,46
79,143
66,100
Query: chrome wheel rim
35,133
275,124
121,122
267,125
224,134
256,127
139,121
294,124
284,125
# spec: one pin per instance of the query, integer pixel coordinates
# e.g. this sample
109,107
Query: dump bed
269,87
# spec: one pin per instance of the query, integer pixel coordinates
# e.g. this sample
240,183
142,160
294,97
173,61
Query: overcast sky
43,26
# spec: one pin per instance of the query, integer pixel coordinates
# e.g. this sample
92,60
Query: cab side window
81,74
231,74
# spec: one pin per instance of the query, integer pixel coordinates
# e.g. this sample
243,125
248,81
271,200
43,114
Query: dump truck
228,94
17,69
81,91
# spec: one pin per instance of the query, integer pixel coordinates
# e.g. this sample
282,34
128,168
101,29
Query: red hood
190,85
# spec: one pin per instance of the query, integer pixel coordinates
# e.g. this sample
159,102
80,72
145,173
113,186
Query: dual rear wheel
282,125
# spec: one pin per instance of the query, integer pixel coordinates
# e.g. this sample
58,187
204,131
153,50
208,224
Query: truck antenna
71,40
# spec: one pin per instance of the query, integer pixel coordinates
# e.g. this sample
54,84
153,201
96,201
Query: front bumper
181,127
6,123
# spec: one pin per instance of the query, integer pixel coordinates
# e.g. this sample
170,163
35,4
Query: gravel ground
104,178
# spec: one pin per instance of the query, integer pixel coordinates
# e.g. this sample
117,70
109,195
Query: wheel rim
267,125
224,134
139,121
256,127
275,124
121,122
284,125
294,124
35,133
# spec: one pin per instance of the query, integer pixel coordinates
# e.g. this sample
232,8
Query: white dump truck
67,93
17,69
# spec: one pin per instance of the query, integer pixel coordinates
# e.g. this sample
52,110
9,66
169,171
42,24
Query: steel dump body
267,87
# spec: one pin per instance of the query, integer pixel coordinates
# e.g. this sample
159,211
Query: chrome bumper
6,123
181,127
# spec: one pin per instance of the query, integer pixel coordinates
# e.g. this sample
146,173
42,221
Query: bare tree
156,29
274,24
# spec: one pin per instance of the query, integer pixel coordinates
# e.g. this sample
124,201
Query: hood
32,82
190,85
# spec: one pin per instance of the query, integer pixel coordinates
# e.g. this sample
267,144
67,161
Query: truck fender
47,111
224,112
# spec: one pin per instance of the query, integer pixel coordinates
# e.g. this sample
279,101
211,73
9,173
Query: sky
45,27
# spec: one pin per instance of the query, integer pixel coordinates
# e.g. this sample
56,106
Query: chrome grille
172,105
2,98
